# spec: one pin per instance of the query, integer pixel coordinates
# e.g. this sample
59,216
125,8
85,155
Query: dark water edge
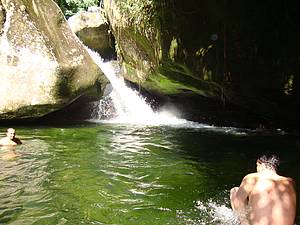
92,173
190,107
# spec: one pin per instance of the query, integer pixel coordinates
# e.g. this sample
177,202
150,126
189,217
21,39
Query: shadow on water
130,174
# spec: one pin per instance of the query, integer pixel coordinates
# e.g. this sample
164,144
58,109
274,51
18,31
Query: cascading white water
129,106
124,105
217,213
25,66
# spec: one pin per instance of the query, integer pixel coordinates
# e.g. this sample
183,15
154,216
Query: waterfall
126,105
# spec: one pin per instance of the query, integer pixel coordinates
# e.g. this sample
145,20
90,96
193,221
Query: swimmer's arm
240,197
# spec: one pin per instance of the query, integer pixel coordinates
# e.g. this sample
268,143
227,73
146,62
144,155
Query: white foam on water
217,213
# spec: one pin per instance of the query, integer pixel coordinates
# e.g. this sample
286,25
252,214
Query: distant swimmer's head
11,133
269,162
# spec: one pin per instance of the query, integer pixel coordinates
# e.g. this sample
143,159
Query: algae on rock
236,53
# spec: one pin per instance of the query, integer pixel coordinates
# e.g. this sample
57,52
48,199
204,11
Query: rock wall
43,64
239,54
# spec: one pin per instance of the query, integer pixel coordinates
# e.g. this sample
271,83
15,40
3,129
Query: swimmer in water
10,138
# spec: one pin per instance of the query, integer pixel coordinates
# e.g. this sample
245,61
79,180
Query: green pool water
95,173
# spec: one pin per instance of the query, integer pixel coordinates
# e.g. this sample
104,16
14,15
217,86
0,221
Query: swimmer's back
272,200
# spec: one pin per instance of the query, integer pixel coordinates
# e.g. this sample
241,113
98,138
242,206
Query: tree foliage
70,7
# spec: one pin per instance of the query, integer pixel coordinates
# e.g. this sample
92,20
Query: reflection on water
121,174
22,174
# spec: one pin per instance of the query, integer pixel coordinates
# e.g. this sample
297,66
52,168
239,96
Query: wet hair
270,162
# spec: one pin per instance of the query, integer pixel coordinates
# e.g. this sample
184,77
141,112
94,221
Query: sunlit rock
43,65
138,51
93,30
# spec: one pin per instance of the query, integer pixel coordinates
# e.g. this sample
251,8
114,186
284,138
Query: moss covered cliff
242,54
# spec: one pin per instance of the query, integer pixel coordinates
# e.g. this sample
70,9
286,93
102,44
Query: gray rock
44,66
92,29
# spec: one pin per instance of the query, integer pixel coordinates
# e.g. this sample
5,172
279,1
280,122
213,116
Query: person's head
11,133
267,162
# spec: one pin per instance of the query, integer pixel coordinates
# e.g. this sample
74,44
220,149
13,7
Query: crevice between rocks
2,18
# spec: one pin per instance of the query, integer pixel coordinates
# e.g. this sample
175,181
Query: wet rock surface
44,66
241,55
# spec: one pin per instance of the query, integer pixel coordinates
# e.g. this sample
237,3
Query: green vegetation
70,7
137,11
141,49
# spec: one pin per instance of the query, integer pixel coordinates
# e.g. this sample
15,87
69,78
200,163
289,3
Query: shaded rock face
233,54
2,18
44,66
93,30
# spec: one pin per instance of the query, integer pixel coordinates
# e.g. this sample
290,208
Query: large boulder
2,18
239,55
92,29
44,66
151,53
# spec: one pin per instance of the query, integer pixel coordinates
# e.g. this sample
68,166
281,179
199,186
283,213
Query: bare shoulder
251,176
3,141
288,180
283,178
287,183
250,179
